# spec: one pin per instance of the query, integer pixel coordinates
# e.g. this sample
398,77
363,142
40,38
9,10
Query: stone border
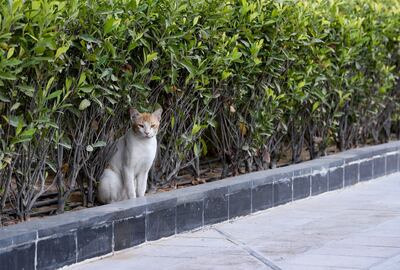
72,237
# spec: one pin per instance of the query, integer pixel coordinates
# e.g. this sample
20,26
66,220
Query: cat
125,176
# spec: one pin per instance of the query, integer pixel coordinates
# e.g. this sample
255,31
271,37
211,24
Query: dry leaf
242,128
65,168
94,125
266,156
317,139
126,68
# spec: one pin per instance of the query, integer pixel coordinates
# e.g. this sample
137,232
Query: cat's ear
134,114
157,114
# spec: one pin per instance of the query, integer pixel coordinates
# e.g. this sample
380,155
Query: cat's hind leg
110,187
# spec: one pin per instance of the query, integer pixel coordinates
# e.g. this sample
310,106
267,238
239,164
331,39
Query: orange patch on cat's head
145,123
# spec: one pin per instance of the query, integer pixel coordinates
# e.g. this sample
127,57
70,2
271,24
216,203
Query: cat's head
145,124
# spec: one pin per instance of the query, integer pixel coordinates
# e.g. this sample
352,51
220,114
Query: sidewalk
354,228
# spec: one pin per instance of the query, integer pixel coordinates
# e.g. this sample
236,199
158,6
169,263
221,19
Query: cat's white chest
141,152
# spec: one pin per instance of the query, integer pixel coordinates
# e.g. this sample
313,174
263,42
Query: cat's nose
146,133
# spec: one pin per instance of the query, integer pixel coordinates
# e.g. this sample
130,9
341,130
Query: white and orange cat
125,177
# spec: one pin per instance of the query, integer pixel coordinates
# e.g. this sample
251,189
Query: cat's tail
109,187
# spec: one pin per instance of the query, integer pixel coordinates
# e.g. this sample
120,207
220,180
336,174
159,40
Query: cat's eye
141,126
153,126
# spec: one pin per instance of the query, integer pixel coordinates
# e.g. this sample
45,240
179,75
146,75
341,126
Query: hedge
244,81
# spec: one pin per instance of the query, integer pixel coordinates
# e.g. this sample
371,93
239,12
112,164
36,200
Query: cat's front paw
131,195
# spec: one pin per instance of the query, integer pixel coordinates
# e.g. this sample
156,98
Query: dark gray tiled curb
56,241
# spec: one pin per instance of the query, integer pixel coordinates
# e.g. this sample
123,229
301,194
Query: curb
72,237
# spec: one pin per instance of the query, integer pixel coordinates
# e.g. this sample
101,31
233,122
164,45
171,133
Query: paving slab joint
255,254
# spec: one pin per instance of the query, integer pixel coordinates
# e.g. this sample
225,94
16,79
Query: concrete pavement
354,228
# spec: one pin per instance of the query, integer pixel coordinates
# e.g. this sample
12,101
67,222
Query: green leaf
20,125
86,88
61,51
269,22
51,166
84,104
65,145
195,20
188,66
315,106
172,121
7,76
196,150
89,38
235,55
49,83
301,84
13,120
110,47
10,52
68,83
26,89
203,147
12,63
150,57
20,139
4,98
99,144
111,100
82,79
110,24
28,132
195,129
139,86
65,142
55,94
226,74
15,106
